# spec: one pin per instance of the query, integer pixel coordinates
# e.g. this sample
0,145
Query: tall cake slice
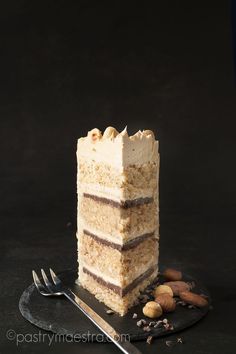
118,224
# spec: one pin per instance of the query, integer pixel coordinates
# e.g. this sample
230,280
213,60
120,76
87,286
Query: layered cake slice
118,225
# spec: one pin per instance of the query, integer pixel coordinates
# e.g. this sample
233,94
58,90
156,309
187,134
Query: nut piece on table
152,309
193,299
178,286
166,301
162,289
110,133
95,134
172,274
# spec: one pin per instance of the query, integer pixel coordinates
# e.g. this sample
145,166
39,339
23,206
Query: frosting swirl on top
111,133
118,149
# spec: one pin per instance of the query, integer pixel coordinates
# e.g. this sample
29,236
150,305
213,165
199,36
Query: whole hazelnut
166,301
95,134
110,133
152,309
162,289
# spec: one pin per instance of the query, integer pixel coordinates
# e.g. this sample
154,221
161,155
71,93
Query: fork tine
47,282
40,287
55,278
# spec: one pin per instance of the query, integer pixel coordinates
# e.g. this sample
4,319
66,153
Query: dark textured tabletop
67,67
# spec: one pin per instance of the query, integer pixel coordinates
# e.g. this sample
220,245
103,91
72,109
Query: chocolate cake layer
122,204
117,289
127,246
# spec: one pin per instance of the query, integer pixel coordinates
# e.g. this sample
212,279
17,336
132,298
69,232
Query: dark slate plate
58,315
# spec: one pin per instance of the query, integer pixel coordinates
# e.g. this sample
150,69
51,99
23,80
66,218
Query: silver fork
56,288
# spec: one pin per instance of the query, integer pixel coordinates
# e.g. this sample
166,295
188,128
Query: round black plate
58,315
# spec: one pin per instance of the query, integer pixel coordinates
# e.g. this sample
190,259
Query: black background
67,67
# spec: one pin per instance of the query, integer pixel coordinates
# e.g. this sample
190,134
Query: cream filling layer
116,238
122,281
116,194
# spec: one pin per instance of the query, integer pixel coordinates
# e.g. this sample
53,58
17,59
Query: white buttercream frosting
118,149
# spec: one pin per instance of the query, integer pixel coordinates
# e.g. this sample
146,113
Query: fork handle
105,327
